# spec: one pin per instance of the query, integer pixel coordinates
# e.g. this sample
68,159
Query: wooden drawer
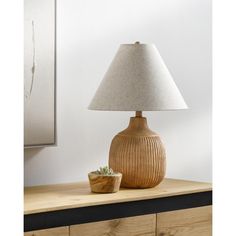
189,222
132,226
60,231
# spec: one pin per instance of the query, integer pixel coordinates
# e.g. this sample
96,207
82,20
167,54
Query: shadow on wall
31,152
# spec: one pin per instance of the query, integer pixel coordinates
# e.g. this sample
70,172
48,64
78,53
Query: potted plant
104,180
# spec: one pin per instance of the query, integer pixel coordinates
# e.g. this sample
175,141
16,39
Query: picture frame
40,73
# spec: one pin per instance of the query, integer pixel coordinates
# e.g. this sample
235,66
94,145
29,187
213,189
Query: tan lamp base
138,153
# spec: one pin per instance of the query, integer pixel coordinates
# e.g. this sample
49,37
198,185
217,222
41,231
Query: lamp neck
138,114
138,126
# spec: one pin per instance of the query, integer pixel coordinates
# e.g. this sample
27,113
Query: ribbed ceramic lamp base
138,153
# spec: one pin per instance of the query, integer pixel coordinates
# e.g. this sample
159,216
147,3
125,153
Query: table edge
111,201
88,214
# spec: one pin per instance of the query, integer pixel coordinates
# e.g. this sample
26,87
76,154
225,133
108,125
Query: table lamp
138,80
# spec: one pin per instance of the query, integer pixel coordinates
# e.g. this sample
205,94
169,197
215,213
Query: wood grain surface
130,226
64,196
104,183
189,222
60,231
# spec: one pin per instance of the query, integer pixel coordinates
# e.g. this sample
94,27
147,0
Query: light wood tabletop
74,195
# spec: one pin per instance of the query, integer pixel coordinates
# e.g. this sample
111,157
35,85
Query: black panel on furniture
88,214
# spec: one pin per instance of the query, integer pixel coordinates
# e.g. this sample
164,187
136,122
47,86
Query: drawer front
189,222
60,231
132,226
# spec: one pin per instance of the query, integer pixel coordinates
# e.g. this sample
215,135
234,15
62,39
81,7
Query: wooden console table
175,207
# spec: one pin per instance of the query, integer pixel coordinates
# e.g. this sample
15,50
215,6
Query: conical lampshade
137,80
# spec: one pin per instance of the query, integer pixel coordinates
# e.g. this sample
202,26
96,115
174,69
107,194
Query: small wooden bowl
104,183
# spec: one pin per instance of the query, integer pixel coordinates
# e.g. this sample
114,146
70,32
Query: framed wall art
39,73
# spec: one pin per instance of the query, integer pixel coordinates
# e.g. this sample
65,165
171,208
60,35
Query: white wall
88,35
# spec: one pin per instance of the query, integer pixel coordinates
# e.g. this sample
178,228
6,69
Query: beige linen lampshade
138,80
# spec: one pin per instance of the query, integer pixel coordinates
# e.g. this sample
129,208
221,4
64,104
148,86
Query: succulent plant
104,171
